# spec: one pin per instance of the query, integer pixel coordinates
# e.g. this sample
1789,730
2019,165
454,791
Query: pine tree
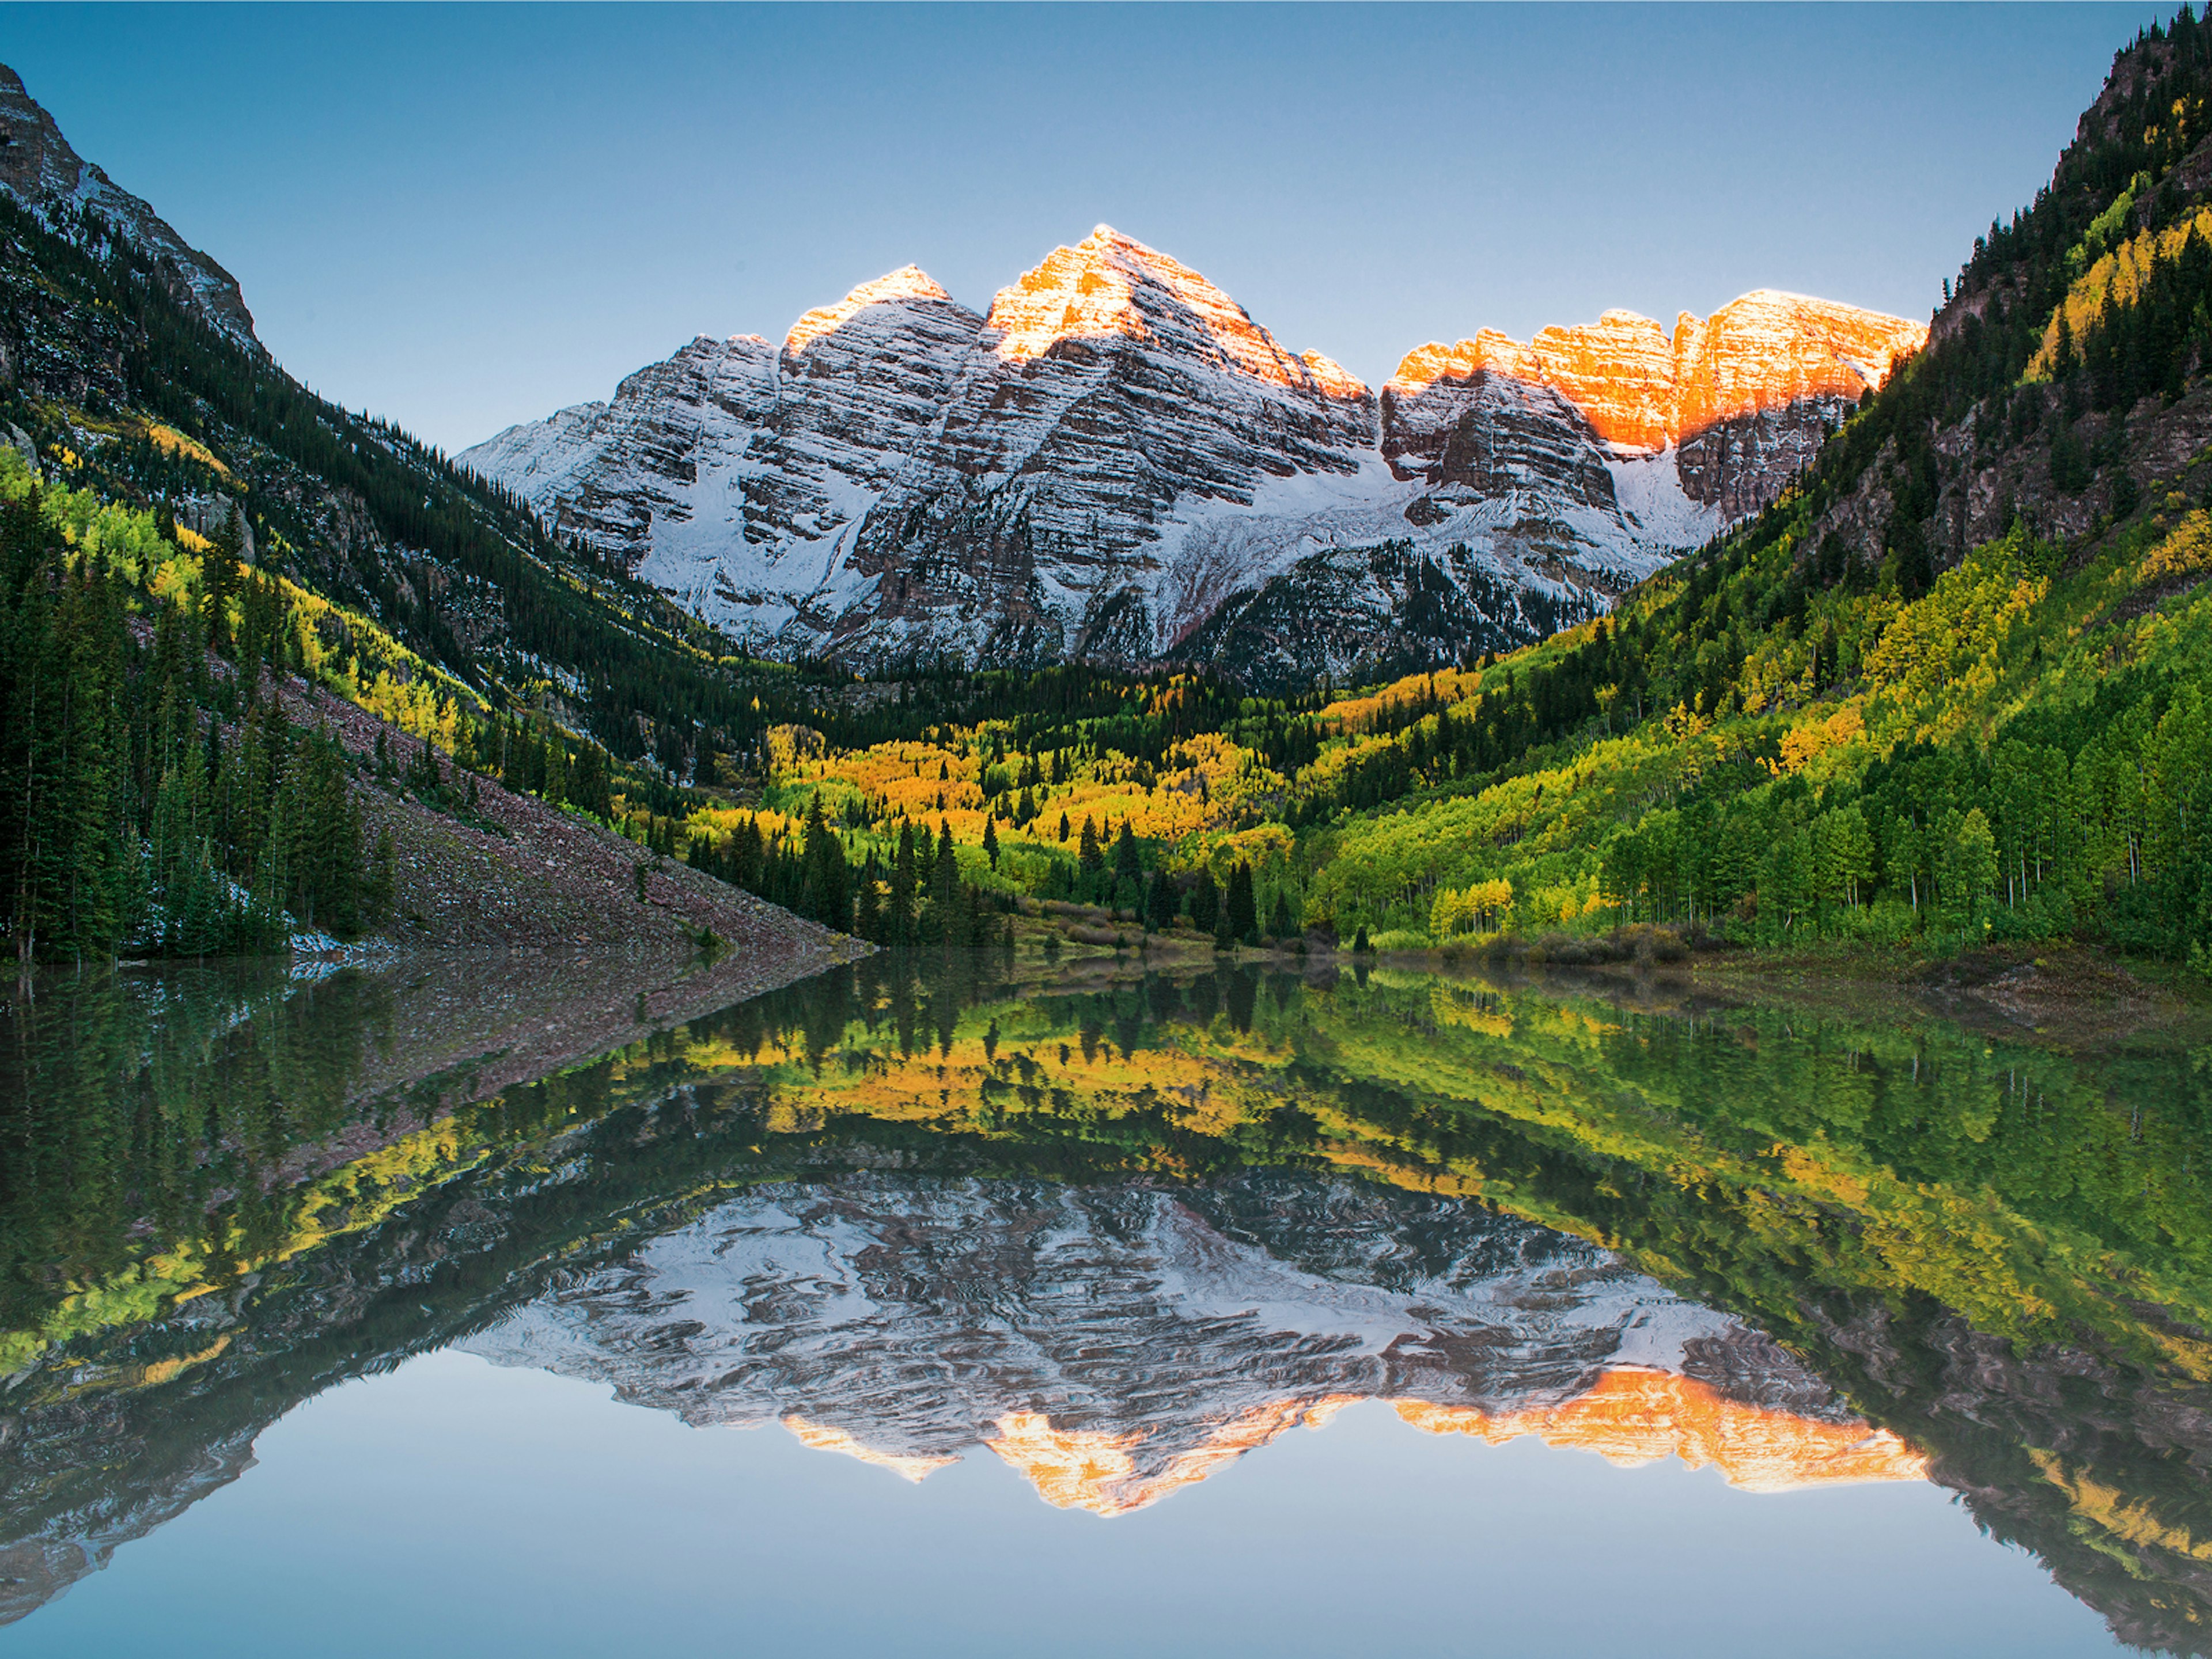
828,878
219,581
991,844
1128,865
867,915
899,924
1160,903
945,877
1242,921
1205,901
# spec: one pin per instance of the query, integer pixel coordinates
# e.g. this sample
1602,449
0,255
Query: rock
41,172
1117,1345
1116,458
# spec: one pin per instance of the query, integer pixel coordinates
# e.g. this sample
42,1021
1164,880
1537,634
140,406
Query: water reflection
1115,1230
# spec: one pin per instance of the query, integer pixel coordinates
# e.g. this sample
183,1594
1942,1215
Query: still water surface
933,1306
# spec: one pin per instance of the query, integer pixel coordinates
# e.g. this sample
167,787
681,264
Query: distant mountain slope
40,173
1947,689
128,366
1116,463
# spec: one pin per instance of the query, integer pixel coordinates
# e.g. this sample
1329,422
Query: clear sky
468,216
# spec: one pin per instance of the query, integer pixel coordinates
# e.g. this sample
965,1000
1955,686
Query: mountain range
1116,463
1113,463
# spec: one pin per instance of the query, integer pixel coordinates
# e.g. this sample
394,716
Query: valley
1101,618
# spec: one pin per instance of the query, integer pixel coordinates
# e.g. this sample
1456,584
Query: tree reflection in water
1211,1206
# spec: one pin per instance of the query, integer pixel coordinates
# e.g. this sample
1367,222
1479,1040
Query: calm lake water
935,1306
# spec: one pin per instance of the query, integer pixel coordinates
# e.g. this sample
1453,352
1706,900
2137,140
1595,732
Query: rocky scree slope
1116,463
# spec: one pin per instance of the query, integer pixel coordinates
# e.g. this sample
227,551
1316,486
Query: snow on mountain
1115,461
39,172
1114,1345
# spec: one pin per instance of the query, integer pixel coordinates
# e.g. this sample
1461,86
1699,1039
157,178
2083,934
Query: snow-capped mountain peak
1118,462
1110,285
906,283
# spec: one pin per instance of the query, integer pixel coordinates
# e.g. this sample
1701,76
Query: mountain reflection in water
1117,1229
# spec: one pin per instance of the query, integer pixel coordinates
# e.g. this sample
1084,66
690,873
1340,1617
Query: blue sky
467,217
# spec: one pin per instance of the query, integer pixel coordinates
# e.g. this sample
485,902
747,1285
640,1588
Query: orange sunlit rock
1641,391
1633,1416
908,282
1334,378
1071,1468
821,1437
1110,285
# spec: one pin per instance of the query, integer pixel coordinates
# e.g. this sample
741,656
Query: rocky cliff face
1116,462
1740,400
39,172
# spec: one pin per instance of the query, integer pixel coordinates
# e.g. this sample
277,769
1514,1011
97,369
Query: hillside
1946,688
192,539
129,366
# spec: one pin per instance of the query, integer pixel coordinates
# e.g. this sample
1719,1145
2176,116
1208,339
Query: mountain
181,521
129,369
1116,463
1945,692
40,173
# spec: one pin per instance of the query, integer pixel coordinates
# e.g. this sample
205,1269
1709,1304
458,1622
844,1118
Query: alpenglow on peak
1117,463
906,283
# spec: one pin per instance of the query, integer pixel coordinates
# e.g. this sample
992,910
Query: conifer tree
1243,923
1128,866
900,923
945,878
867,916
1205,901
1160,903
219,581
828,898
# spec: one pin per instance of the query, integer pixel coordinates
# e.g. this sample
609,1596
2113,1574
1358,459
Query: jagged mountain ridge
41,172
1114,462
129,367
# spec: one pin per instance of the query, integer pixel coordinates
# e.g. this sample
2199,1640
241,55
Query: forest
1789,738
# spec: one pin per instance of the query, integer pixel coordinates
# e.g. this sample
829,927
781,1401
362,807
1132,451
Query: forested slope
1951,687
183,517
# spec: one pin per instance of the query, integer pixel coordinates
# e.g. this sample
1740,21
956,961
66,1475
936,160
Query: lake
939,1305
